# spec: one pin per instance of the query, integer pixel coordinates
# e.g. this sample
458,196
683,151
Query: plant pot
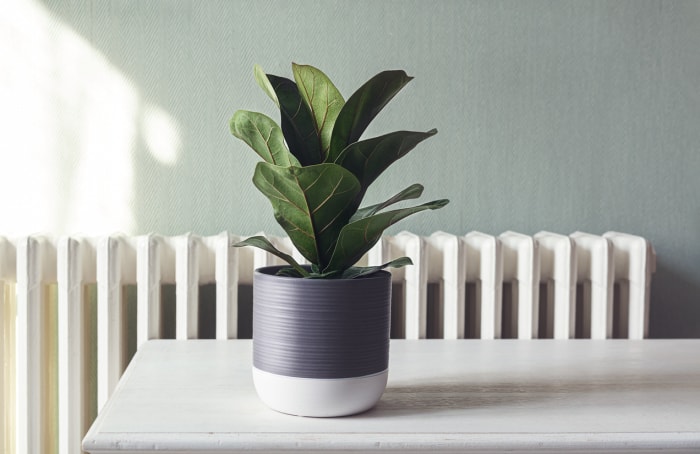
320,346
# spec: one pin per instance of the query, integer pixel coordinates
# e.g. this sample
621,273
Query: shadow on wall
675,304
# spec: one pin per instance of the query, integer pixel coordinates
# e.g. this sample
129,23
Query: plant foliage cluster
316,170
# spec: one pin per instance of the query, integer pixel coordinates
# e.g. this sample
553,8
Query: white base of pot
319,397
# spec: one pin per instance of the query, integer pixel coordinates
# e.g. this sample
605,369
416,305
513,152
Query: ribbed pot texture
321,328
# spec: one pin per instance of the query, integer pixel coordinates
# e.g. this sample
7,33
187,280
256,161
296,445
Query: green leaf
361,108
265,244
323,99
360,271
263,135
412,192
330,275
353,272
298,124
290,272
358,237
311,203
369,158
262,80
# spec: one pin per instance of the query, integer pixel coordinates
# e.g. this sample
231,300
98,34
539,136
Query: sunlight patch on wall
71,125
161,135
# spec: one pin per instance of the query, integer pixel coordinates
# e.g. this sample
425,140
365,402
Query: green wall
552,115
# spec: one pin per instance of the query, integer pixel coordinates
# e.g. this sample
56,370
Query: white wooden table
452,396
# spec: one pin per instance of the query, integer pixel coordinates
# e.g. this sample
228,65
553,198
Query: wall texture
552,115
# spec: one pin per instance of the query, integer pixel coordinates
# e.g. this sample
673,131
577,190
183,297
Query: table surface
442,395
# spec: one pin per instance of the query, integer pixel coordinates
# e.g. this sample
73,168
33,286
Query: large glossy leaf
367,159
311,203
359,271
264,83
323,99
361,108
412,192
263,135
358,237
298,125
265,244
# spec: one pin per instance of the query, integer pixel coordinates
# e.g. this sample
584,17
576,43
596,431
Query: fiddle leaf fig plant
316,170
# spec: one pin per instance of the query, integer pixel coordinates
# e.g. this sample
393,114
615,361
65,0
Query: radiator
74,310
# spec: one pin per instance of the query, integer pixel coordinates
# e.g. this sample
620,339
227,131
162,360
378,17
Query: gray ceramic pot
320,346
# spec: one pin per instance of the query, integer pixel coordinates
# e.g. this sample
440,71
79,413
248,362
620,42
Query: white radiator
73,310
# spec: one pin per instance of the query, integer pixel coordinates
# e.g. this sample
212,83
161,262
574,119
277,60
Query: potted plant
321,331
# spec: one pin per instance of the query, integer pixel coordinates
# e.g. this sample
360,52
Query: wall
553,115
